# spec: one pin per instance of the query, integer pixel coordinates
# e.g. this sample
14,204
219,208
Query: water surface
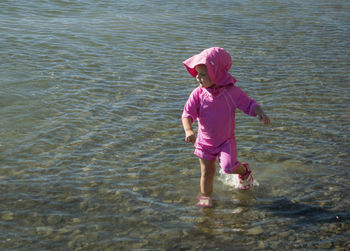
91,145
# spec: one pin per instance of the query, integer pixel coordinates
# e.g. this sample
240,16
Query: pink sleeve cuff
252,109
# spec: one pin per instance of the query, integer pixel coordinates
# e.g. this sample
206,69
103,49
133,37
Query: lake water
92,151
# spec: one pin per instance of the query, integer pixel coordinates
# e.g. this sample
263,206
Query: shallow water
91,146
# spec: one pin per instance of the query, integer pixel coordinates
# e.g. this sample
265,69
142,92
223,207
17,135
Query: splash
232,180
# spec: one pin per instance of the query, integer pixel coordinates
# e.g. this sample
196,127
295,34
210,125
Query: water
92,154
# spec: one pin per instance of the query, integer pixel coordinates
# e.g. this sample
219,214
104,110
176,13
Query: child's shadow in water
302,213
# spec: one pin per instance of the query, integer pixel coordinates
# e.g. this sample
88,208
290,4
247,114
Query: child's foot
246,180
205,201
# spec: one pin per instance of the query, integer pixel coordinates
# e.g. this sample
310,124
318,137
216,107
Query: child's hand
190,136
262,116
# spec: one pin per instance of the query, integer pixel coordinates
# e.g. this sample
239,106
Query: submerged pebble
44,230
8,216
255,230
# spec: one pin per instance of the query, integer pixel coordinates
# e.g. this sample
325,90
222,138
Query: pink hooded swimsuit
214,108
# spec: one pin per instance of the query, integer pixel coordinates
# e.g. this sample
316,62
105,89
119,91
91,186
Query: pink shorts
226,153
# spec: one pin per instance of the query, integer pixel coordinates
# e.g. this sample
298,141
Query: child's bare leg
208,169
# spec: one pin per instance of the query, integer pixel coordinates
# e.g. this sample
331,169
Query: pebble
44,230
64,230
291,238
77,242
8,216
325,245
255,230
284,234
76,220
54,219
261,245
84,205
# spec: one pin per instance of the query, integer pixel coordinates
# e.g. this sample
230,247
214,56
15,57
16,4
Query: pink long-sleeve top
215,112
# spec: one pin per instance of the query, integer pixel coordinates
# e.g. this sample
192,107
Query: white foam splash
232,180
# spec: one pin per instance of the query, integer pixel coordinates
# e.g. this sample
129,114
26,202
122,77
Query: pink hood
218,62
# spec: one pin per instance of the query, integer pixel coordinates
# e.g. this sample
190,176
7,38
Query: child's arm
261,115
248,105
187,124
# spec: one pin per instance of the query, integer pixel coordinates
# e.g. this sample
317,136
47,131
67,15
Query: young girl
213,104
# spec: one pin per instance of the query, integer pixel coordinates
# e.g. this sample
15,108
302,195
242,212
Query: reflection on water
91,145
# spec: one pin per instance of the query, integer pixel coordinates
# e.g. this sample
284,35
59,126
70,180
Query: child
213,104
